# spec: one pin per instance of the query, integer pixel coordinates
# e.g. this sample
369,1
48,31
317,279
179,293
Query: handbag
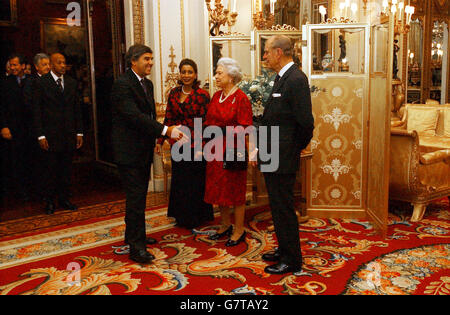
235,159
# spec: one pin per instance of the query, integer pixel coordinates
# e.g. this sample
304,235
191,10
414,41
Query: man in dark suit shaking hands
134,134
289,110
58,128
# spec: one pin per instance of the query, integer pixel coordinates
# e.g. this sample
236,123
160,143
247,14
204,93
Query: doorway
94,50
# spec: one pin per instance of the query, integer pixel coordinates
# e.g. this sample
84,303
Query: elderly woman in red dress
227,188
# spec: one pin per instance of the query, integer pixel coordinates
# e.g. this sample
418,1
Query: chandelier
402,15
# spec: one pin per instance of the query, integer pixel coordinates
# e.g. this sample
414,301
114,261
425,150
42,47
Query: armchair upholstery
420,165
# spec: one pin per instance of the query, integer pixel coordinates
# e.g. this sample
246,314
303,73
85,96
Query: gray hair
284,43
39,57
232,68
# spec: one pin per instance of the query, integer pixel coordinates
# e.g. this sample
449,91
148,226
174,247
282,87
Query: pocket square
276,95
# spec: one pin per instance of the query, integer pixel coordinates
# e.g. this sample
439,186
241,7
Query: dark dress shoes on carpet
281,268
217,236
141,256
50,207
272,256
231,243
67,205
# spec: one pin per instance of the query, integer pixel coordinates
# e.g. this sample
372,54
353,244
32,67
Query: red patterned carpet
341,256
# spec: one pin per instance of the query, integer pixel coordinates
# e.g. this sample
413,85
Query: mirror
415,61
439,44
236,48
338,50
263,36
287,12
379,48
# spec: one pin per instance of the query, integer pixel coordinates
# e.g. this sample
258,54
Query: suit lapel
139,90
277,87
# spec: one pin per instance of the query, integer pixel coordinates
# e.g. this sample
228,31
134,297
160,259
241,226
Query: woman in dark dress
187,102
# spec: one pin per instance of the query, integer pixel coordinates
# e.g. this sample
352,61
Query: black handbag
235,159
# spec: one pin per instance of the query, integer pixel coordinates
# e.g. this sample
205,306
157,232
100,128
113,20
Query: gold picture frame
8,12
57,36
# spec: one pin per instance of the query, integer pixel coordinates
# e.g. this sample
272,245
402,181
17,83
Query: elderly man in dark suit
134,133
58,128
289,110
42,66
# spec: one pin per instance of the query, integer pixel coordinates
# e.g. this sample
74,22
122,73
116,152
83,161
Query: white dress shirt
285,68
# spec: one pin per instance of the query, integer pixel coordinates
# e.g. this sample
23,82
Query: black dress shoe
141,256
217,236
150,241
67,205
272,256
281,268
50,207
231,243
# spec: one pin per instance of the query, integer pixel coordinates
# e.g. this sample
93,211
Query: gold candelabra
262,23
402,15
219,16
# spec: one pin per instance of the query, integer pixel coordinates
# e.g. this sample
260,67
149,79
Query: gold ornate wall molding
138,21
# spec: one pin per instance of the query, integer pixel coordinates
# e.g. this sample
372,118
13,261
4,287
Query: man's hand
6,134
176,134
79,142
43,144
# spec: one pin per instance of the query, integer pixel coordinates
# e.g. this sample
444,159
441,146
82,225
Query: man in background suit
42,66
289,109
58,128
134,134
15,121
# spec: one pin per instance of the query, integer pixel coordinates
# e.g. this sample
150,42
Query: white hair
232,68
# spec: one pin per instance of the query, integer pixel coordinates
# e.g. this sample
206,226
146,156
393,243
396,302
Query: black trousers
57,174
17,164
135,183
280,188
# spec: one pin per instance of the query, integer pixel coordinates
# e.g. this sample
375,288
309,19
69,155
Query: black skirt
187,190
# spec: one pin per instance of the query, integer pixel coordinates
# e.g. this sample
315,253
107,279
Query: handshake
174,132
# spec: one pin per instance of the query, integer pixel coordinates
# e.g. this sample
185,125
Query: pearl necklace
234,89
182,90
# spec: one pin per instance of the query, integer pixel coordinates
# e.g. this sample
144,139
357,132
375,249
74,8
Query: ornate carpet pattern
340,256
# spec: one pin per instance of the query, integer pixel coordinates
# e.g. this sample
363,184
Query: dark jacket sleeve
36,108
300,102
127,108
2,104
77,112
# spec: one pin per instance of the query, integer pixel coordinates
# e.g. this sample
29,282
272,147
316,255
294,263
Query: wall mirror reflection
236,48
260,41
439,68
380,48
415,61
338,50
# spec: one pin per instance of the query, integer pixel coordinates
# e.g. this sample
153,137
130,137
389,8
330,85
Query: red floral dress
225,187
194,106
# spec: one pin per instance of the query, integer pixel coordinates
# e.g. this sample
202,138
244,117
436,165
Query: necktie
146,94
144,87
277,78
59,82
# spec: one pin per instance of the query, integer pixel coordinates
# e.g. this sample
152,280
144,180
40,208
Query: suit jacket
56,114
289,107
15,114
134,125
